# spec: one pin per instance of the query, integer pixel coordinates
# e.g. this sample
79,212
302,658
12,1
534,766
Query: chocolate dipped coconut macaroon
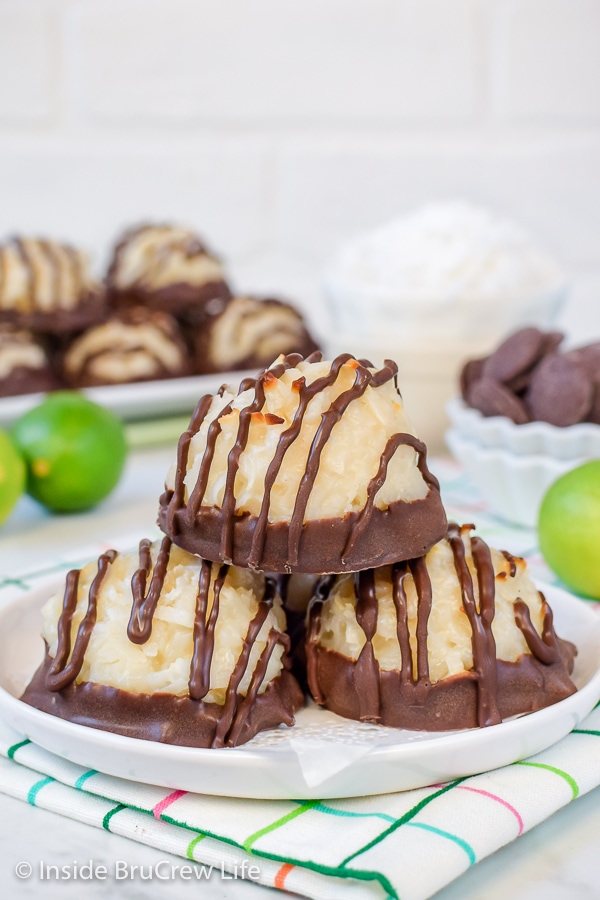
133,345
164,646
454,639
47,286
312,467
248,334
24,364
166,267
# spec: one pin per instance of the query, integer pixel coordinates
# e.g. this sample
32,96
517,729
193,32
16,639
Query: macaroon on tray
163,310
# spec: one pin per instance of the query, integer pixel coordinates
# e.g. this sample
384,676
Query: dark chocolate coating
492,690
89,311
523,686
28,381
161,717
404,530
175,299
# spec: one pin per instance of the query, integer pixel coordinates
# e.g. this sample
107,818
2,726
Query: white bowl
375,312
577,442
513,484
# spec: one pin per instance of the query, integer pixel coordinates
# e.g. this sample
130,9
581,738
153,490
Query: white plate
323,756
144,400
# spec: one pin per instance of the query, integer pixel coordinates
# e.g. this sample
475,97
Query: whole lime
569,528
12,475
74,450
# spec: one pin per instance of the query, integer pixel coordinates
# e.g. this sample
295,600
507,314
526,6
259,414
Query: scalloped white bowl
577,442
512,484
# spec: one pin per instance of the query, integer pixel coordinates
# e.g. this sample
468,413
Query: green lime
12,475
74,450
569,528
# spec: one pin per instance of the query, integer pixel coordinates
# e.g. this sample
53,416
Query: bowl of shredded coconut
434,287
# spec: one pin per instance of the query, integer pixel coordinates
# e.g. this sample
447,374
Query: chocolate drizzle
204,631
190,525
480,620
63,671
367,667
139,628
230,721
544,647
482,696
30,270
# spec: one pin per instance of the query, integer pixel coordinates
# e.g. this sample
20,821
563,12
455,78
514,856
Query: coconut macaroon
137,345
165,267
24,363
312,467
248,334
456,639
164,646
47,286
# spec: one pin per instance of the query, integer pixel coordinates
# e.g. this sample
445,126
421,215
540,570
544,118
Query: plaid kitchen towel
364,847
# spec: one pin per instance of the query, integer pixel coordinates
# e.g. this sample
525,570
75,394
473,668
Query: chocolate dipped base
166,718
523,686
402,531
28,381
174,298
90,310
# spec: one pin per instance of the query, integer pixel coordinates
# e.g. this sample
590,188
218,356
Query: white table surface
558,860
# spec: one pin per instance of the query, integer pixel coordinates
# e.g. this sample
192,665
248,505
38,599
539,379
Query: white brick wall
234,61
549,53
29,48
280,127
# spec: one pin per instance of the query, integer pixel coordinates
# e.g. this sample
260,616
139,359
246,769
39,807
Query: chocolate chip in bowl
529,412
548,385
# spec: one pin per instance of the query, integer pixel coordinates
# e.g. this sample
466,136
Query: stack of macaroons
527,379
164,310
305,487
